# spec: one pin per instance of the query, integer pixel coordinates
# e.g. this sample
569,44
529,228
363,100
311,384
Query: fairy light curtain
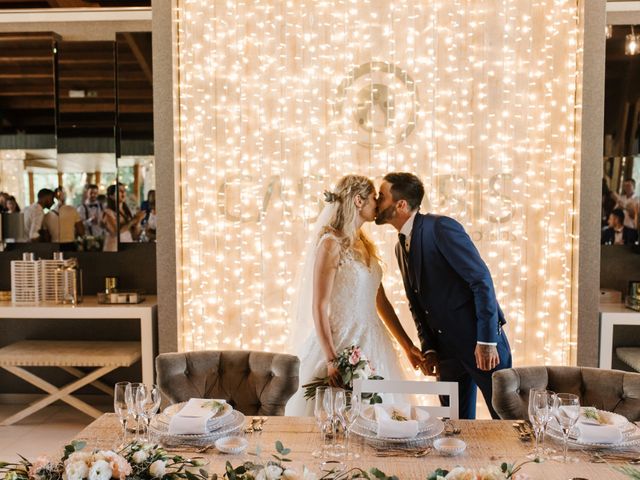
278,99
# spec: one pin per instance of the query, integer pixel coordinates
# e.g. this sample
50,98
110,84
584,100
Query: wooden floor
44,432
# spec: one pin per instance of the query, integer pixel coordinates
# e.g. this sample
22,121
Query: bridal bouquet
134,462
351,363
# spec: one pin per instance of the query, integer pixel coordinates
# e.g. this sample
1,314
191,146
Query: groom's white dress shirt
406,230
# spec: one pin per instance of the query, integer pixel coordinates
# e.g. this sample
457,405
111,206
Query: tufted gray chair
612,390
255,383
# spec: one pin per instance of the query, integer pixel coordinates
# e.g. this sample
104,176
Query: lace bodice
352,309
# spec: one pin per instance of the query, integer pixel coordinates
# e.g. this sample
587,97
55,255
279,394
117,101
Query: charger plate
367,419
159,429
630,433
221,418
421,440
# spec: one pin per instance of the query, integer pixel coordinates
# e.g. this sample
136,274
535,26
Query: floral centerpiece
134,462
506,471
351,363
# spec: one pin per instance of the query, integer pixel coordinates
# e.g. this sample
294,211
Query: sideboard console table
91,310
613,315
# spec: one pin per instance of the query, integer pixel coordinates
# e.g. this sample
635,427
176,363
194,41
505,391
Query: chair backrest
611,390
255,383
447,389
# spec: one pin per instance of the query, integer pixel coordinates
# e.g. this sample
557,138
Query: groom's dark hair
406,186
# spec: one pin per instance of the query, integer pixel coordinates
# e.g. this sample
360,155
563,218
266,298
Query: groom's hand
487,357
431,365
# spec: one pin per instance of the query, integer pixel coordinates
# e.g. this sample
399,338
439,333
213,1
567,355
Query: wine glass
551,396
566,411
132,406
323,412
349,405
539,416
121,392
148,402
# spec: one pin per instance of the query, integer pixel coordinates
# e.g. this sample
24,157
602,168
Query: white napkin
598,433
193,417
387,427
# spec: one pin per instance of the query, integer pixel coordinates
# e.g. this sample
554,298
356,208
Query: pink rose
354,358
39,464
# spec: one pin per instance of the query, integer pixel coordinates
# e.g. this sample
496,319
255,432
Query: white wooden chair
449,389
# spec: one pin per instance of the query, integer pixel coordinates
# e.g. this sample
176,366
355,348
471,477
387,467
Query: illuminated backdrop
278,99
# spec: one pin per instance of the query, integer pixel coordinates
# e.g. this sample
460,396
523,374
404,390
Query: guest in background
629,203
12,205
34,216
63,222
618,233
608,204
149,223
91,212
129,224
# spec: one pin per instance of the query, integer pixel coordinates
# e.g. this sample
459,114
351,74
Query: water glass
539,412
323,412
566,411
122,392
132,406
348,406
148,402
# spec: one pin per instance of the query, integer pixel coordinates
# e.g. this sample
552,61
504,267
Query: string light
631,44
277,100
608,31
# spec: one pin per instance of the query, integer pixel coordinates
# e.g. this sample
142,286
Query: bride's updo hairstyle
343,222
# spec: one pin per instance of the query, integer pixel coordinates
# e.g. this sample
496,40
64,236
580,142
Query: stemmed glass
539,416
566,410
147,403
121,402
132,406
348,406
551,396
323,412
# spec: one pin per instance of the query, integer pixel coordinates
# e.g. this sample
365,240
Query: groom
450,293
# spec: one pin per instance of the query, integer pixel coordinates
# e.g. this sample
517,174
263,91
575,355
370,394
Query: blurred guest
91,212
618,233
63,222
629,203
149,223
12,205
129,223
608,204
34,216
3,201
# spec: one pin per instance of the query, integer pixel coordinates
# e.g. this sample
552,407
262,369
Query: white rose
308,474
273,472
290,474
100,470
79,457
139,457
460,473
157,469
75,470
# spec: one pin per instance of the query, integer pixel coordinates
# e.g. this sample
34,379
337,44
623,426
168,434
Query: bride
341,291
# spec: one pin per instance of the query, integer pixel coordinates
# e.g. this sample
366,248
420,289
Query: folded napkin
598,433
391,428
193,417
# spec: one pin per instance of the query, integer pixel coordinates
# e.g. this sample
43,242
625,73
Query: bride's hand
415,356
334,375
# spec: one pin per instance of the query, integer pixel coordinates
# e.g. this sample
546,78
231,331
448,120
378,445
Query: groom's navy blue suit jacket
449,288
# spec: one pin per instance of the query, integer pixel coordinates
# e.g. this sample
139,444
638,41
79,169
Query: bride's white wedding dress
354,321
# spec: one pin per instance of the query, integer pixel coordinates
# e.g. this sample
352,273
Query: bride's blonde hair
343,222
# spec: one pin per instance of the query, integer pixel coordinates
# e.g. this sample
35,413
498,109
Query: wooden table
489,442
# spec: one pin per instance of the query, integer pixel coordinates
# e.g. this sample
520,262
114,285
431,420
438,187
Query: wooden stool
67,355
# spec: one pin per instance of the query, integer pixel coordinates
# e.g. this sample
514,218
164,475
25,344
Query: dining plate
220,419
367,419
160,431
422,439
630,432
